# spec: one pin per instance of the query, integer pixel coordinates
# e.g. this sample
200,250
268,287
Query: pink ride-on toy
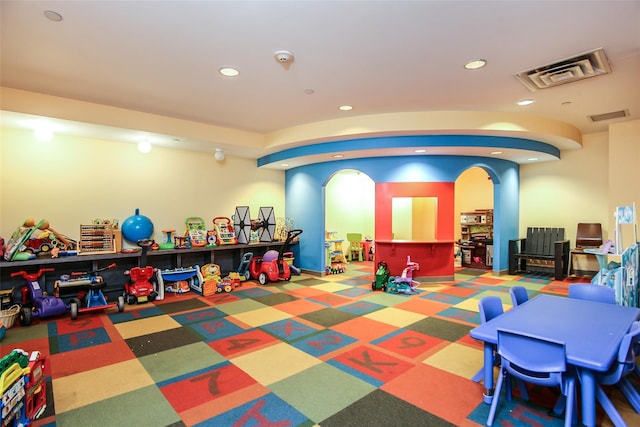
141,284
404,284
272,266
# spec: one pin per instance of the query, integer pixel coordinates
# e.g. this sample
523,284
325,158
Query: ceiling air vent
609,116
579,67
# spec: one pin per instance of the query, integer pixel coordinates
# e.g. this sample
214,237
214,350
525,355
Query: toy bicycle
36,304
91,297
404,284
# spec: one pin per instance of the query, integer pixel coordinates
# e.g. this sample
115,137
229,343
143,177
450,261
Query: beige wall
71,181
568,191
624,163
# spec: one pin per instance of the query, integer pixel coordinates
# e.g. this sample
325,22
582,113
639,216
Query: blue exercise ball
137,227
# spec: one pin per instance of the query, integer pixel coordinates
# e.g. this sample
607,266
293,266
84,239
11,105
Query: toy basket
9,316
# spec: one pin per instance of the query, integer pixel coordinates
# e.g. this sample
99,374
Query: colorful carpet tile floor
314,351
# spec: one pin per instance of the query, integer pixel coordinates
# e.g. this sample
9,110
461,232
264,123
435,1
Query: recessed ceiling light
345,107
496,152
420,150
43,133
284,164
524,102
144,146
229,72
52,16
337,156
475,64
532,159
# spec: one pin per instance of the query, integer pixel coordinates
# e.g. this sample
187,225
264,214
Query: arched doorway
474,193
349,205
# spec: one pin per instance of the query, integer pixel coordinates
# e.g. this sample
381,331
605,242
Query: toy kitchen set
476,243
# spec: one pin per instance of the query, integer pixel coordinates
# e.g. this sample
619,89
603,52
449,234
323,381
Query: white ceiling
162,57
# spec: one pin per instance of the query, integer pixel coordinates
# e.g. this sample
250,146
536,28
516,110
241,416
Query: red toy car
272,266
140,287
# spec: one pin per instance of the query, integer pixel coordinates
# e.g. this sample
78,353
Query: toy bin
288,258
9,316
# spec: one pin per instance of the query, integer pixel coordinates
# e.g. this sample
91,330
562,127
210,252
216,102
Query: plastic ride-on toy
34,302
243,268
382,277
272,266
141,287
226,285
404,284
90,297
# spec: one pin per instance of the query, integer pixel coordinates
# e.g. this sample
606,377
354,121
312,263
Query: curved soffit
519,137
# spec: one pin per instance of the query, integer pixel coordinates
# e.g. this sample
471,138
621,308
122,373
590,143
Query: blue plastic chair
636,344
519,295
491,307
538,361
617,374
591,292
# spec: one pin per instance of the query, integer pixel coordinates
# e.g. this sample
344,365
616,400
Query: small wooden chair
355,246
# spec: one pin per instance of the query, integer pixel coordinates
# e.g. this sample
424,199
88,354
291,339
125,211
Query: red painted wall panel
435,258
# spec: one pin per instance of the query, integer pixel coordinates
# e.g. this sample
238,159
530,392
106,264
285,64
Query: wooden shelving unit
228,257
476,242
336,259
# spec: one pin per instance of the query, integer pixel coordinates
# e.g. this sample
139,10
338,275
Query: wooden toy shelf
227,257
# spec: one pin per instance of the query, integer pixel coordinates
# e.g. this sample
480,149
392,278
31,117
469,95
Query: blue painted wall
305,198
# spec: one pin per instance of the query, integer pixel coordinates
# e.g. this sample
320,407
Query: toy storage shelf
227,256
476,241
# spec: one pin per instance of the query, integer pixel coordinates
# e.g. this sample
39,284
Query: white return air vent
579,67
609,116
